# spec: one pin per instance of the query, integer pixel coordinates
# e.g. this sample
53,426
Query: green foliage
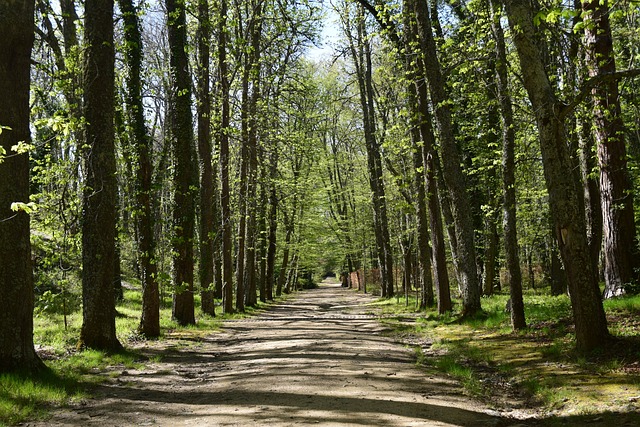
26,396
23,207
50,302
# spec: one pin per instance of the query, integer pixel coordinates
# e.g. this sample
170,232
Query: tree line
448,147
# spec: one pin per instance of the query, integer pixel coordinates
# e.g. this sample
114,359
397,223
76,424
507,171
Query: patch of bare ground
316,359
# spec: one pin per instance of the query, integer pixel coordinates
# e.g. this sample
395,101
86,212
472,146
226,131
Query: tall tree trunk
207,199
591,188
616,191
227,245
99,195
451,162
181,133
585,144
565,197
416,118
361,55
16,274
429,160
512,259
273,224
262,233
242,184
150,318
251,298
282,275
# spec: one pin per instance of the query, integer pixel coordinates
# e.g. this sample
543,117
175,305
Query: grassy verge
534,368
71,373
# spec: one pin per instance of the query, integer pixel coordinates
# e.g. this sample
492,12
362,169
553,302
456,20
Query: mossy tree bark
616,191
565,198
100,186
150,319
451,166
184,178
207,173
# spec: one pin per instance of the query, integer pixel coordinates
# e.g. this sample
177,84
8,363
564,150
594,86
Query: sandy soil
317,359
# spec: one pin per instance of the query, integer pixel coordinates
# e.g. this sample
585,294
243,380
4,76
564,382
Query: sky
328,36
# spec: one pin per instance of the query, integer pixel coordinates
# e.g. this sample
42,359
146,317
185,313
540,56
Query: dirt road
317,359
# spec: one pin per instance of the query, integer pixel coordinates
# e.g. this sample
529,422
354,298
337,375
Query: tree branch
593,82
384,20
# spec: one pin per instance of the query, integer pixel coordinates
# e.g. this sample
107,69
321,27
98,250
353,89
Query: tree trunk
273,225
616,191
262,233
16,274
255,29
591,189
564,190
361,56
207,200
289,225
181,133
416,118
99,196
583,139
451,161
512,259
227,244
242,185
150,319
429,159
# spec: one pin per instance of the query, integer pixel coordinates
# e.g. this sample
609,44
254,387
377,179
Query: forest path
318,358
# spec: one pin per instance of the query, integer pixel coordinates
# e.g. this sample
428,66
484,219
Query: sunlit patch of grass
25,396
450,365
630,303
541,359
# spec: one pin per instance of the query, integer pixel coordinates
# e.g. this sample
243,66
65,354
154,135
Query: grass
71,373
540,360
25,396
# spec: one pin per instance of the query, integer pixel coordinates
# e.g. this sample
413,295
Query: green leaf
24,207
22,147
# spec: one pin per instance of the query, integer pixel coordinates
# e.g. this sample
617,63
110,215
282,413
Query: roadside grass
70,372
539,363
